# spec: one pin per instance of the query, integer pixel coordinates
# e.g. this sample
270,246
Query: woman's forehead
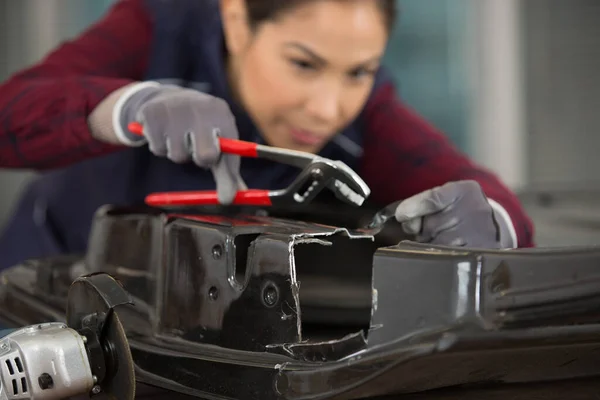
356,13
353,28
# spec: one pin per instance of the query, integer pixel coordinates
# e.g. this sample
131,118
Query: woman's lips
303,137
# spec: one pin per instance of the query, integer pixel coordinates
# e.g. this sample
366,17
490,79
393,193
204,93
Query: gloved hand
184,125
455,214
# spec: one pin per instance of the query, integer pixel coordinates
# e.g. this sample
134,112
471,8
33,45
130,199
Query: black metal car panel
250,307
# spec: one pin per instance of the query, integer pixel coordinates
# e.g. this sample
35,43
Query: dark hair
260,11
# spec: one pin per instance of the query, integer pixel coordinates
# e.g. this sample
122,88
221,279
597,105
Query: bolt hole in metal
217,252
270,294
213,293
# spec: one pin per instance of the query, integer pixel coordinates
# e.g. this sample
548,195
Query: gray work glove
455,214
184,125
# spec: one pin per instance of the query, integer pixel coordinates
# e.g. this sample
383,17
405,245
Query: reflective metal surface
255,307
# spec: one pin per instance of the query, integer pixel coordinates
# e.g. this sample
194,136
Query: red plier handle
210,197
229,146
251,197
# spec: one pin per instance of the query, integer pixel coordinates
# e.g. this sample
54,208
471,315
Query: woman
298,74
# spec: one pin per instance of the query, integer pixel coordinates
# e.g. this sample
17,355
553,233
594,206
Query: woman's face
306,75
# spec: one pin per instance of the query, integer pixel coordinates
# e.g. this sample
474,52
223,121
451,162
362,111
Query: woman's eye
304,65
361,73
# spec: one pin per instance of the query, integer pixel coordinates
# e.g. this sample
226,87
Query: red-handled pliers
317,173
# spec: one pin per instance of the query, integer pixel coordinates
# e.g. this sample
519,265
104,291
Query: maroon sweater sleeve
44,108
404,155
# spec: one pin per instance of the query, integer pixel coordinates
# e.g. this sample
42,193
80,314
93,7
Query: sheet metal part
381,217
475,316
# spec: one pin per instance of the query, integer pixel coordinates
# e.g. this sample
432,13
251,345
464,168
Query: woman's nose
325,104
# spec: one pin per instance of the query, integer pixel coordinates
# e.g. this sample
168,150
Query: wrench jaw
343,192
318,176
351,179
346,184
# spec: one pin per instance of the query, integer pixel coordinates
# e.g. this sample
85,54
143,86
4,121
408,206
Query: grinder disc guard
91,311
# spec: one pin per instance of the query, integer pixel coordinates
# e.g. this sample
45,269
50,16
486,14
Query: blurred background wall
429,59
511,82
562,67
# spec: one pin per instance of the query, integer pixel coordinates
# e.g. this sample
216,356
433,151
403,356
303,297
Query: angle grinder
89,355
